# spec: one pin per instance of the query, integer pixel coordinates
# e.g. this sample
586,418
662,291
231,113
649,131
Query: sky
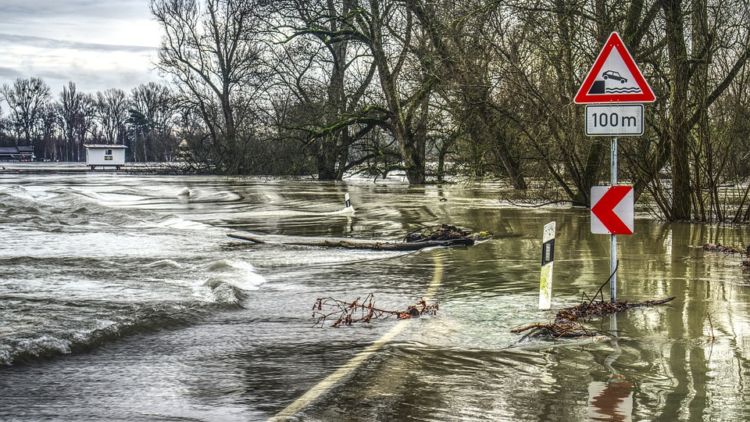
98,44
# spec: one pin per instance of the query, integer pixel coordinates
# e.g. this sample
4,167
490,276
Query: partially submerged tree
463,44
328,71
213,52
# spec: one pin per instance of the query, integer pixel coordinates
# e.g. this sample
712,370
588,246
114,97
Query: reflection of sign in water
614,77
612,401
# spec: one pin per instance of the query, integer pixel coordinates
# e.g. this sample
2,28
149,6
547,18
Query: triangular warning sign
614,77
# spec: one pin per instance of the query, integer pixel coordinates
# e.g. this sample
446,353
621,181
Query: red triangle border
614,41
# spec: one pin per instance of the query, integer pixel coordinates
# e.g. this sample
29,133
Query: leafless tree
26,99
212,50
71,113
112,112
151,113
328,72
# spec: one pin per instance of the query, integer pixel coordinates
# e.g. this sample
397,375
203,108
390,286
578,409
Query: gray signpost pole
613,238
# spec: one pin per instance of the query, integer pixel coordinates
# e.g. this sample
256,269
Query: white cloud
97,44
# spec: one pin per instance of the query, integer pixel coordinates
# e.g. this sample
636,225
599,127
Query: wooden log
347,243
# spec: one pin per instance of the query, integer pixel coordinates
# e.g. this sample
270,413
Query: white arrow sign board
614,120
612,210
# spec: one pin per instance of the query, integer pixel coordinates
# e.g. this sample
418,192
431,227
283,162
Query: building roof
27,148
105,146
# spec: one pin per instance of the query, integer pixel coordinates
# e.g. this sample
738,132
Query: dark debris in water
718,247
444,232
364,311
569,322
730,250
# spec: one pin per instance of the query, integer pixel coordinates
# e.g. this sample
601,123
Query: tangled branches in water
364,311
569,321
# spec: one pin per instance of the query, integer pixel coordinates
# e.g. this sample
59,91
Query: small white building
102,155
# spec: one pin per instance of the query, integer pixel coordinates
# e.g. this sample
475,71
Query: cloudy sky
98,44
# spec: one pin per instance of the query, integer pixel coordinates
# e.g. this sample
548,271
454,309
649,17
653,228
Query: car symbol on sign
611,74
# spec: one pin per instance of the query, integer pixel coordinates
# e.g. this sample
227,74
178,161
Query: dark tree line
144,120
478,88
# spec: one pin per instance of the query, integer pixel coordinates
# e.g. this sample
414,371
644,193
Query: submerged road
122,298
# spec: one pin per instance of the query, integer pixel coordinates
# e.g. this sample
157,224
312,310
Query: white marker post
347,201
548,261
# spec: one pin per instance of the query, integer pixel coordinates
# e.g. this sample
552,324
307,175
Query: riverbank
73,168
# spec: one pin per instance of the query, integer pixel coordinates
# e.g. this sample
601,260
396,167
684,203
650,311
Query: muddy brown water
121,298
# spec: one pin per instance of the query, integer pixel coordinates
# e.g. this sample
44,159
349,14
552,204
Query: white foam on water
164,263
182,224
229,280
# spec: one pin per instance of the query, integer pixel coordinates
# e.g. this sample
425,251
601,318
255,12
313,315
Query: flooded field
122,298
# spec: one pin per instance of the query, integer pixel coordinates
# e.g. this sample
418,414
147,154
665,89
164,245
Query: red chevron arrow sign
612,210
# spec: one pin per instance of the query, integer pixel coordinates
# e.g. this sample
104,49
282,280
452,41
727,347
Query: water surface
122,298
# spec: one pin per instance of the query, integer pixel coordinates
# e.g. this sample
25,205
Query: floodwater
122,298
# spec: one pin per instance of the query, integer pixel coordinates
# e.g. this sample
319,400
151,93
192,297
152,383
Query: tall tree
213,52
112,111
71,114
688,67
463,40
26,99
400,52
86,123
152,109
326,80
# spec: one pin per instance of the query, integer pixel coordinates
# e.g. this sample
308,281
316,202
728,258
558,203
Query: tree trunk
677,127
326,158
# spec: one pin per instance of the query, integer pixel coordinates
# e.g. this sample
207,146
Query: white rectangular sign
614,120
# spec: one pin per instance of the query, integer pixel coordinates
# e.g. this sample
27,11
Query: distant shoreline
12,167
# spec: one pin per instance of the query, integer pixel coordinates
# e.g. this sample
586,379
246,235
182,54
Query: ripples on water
122,298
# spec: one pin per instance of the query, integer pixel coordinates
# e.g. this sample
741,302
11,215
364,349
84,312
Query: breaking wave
164,263
232,281
27,349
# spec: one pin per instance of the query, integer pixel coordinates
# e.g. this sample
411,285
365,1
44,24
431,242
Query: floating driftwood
443,235
569,321
444,232
356,311
718,247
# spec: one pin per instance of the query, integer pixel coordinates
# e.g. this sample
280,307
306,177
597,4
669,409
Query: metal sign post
614,90
613,237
